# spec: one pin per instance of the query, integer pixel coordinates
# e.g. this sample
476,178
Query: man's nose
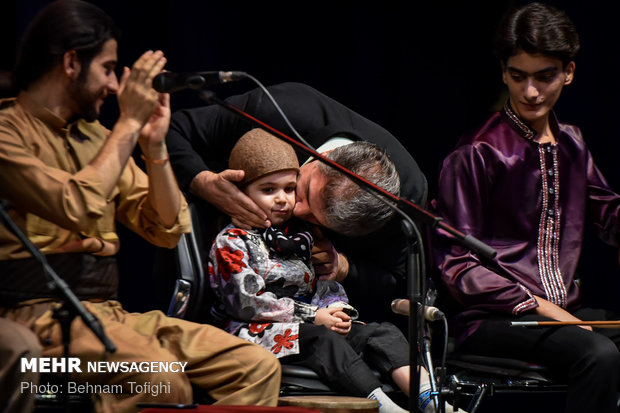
531,90
113,84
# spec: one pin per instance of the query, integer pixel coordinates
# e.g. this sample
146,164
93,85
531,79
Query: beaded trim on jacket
528,133
548,240
548,246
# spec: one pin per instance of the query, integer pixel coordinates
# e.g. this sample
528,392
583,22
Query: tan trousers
231,370
16,342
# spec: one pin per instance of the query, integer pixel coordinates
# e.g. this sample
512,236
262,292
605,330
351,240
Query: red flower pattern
284,341
256,329
229,261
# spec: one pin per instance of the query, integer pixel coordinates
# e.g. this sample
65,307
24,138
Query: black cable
278,108
445,344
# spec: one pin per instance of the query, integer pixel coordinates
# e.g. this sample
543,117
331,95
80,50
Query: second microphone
403,307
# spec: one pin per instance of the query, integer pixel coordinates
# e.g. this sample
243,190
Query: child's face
275,194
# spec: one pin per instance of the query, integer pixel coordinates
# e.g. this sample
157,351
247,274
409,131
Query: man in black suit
371,249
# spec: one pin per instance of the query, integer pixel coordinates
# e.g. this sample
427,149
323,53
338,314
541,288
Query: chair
467,379
297,381
475,378
190,283
182,271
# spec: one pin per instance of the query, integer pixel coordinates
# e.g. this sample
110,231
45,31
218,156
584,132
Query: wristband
102,245
156,161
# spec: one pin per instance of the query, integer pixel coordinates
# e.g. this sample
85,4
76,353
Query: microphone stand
436,394
410,212
71,306
414,288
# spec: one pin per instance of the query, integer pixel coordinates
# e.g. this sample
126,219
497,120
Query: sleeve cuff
529,304
305,312
346,308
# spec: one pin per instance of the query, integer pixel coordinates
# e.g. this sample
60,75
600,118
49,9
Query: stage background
423,70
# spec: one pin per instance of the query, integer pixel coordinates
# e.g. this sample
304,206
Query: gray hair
351,210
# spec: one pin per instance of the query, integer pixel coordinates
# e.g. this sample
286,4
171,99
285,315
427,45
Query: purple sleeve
465,188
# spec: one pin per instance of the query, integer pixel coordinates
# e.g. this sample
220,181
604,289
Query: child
268,293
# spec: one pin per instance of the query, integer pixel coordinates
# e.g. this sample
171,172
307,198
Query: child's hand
331,318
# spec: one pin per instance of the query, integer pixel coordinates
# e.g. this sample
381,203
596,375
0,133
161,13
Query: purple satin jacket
530,202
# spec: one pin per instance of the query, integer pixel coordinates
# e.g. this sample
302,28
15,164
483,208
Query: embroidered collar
523,128
518,124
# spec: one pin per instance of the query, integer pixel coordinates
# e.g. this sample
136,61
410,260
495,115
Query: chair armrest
180,299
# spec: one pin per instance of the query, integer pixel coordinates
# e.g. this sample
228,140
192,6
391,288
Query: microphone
168,82
402,306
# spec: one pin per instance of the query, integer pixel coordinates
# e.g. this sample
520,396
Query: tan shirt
57,197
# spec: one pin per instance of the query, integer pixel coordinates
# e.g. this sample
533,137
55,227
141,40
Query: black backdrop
424,70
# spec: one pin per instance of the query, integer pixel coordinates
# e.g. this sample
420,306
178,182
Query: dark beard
86,104
89,115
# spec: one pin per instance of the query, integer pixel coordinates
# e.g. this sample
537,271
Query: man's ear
569,71
71,64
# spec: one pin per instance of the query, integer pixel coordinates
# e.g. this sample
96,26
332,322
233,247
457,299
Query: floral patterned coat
263,297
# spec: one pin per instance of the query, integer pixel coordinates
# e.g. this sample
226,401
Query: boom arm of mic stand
426,217
58,283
